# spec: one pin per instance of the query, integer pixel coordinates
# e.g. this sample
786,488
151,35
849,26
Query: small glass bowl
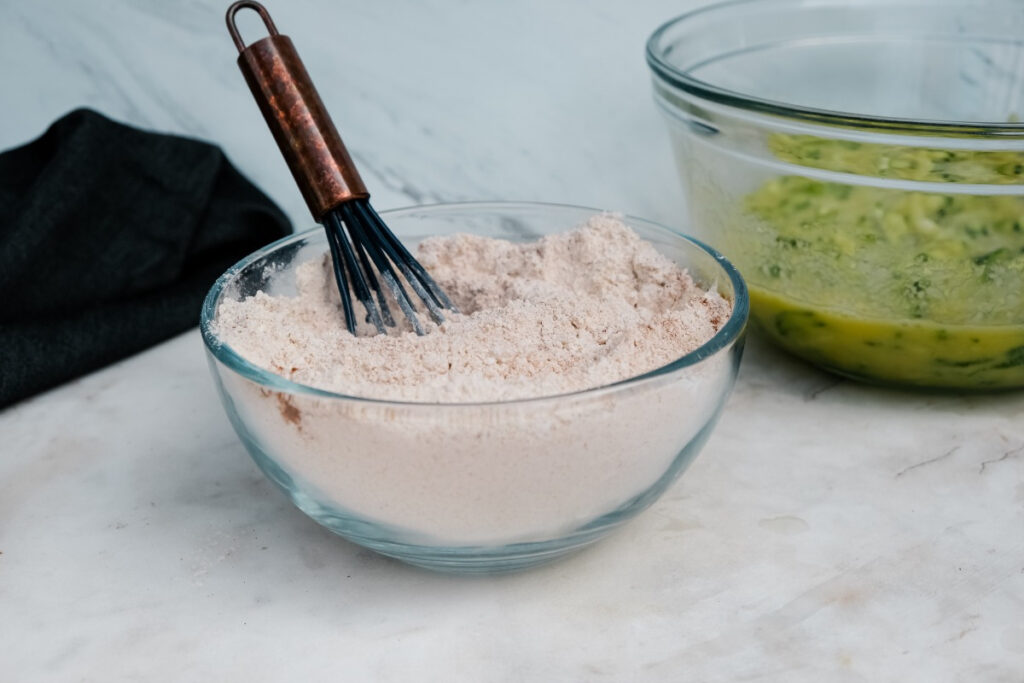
482,487
863,166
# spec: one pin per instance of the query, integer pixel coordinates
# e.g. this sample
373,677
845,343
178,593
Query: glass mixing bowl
478,487
863,166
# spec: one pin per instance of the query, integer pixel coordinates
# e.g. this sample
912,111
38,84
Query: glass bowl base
464,559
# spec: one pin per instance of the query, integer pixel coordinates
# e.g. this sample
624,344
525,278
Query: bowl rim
726,336
758,105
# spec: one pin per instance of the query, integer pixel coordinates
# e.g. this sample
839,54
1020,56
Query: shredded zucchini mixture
900,286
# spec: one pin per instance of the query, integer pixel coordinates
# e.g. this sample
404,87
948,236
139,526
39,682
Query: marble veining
829,531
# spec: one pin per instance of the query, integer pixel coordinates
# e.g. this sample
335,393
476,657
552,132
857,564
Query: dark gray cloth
109,238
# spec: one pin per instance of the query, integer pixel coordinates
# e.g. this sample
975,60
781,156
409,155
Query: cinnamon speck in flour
570,311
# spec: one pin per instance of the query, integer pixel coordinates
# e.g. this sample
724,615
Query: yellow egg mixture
887,284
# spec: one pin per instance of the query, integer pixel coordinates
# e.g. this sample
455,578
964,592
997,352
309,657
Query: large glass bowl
863,166
477,487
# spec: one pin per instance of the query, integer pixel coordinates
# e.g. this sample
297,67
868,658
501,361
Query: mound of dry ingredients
571,311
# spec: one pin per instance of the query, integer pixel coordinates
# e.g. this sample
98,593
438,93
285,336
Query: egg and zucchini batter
890,285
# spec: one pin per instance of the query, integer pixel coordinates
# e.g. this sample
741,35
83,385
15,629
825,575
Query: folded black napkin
109,238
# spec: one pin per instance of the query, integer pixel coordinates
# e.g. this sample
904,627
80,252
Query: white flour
572,311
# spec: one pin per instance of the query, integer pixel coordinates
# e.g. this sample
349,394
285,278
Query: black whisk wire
347,271
364,263
406,261
363,247
342,280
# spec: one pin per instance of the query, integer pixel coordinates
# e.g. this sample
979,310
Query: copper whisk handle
298,119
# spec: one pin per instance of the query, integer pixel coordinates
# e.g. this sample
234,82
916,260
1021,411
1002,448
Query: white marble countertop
828,532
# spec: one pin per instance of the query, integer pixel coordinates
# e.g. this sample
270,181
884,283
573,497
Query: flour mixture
571,311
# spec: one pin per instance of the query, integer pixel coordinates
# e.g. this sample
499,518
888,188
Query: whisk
362,246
